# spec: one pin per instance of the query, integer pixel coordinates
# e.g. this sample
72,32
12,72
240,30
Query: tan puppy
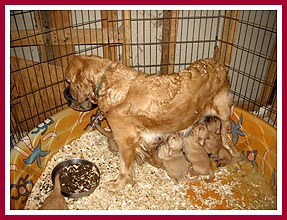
158,104
56,200
195,153
214,147
173,159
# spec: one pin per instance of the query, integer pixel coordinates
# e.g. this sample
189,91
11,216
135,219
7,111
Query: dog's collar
99,86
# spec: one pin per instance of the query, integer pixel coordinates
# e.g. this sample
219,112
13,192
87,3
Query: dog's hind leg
224,137
223,106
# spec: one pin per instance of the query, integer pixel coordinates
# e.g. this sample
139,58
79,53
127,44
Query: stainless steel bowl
78,177
74,104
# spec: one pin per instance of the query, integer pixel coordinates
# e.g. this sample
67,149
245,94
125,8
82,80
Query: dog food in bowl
74,104
78,177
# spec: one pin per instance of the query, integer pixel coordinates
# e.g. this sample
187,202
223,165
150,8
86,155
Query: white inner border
278,8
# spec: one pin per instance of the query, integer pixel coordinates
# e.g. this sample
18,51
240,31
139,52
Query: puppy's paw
228,147
139,160
222,162
191,179
208,180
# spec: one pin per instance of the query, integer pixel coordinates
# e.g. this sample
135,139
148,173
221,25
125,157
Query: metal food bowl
78,177
74,104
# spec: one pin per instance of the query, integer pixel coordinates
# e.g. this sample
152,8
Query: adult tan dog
144,106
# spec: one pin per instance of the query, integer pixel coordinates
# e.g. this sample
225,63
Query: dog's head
84,76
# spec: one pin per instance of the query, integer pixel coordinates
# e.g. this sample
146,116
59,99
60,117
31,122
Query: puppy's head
84,74
201,133
175,142
213,125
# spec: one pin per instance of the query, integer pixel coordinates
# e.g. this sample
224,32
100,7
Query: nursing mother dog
141,107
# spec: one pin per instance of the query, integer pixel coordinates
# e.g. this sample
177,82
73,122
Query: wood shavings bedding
235,189
152,188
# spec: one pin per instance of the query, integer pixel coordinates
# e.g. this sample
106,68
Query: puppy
173,159
213,146
195,153
56,200
158,104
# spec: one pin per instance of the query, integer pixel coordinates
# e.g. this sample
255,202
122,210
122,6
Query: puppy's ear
196,131
218,131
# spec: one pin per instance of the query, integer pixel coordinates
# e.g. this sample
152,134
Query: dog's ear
74,69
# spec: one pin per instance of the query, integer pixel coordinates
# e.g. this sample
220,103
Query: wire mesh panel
168,41
253,63
197,36
37,68
153,41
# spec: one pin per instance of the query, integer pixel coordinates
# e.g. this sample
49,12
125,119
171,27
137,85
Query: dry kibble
78,178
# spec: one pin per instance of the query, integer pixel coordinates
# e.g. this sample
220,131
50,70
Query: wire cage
154,41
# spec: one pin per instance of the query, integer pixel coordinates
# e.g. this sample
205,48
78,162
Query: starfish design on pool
36,155
235,130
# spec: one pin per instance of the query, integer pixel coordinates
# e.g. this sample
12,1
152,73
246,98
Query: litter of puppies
152,187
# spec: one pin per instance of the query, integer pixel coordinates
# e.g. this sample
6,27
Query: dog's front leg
126,160
126,141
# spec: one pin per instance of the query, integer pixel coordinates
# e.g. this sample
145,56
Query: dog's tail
103,131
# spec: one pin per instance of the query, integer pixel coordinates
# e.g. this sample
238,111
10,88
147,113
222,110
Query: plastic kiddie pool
248,134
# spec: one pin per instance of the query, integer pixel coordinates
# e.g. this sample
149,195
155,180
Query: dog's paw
112,186
115,185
